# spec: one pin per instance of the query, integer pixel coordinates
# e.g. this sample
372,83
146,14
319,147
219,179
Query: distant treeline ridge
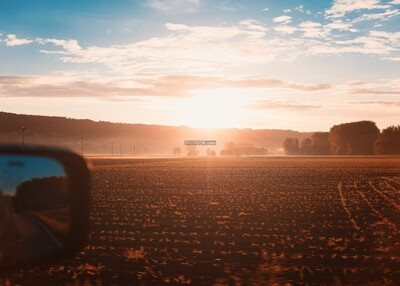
355,138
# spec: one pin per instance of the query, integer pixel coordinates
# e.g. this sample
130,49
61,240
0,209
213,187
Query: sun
214,109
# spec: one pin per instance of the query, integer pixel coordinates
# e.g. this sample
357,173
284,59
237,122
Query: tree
176,151
355,138
388,141
230,149
316,145
192,151
321,144
42,193
211,153
306,146
291,146
242,150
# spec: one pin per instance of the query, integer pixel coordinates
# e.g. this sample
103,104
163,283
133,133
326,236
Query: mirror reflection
34,208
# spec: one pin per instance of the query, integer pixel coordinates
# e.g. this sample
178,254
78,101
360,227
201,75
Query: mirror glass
34,208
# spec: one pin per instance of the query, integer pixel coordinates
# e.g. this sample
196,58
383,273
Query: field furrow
233,221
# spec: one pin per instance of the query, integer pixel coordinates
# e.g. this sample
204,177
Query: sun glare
216,109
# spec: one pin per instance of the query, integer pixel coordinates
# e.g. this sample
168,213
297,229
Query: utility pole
120,150
112,149
23,135
82,144
134,150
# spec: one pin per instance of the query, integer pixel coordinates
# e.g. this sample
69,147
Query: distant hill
145,139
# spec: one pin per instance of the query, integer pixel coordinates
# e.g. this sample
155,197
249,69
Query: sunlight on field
233,221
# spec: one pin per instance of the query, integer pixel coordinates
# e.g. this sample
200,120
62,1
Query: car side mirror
44,205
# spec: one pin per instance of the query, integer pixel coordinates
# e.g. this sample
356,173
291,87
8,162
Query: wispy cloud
382,103
195,49
366,91
285,29
292,106
301,9
395,59
370,10
67,45
175,6
381,16
338,25
253,25
312,30
340,8
199,50
375,43
284,19
75,84
381,88
12,41
79,84
62,84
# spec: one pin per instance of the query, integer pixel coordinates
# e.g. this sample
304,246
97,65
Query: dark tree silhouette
316,145
42,193
321,144
291,146
388,141
306,147
355,138
233,149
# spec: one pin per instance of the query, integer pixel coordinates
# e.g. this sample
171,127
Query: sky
301,65
11,175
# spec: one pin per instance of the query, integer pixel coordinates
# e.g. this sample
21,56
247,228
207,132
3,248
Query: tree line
233,149
354,138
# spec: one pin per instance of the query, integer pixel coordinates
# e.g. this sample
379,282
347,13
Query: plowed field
237,221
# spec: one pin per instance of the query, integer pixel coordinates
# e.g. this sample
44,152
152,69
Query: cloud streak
70,46
291,106
342,7
284,19
13,41
91,85
175,6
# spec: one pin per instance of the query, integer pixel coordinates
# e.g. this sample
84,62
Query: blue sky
16,170
303,65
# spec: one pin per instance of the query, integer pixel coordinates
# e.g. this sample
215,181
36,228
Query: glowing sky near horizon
302,65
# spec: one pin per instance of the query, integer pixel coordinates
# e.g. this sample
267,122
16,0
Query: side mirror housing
44,205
